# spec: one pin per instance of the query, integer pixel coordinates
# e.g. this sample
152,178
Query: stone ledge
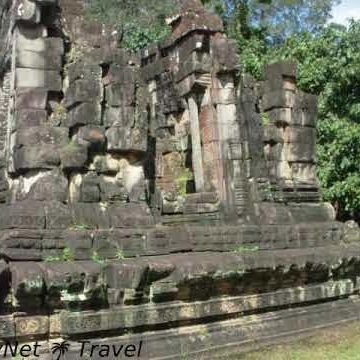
35,244
71,324
220,339
151,315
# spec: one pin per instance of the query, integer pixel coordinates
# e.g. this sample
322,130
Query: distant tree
138,22
258,25
281,18
143,21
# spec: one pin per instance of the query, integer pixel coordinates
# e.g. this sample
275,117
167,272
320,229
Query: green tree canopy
138,22
258,25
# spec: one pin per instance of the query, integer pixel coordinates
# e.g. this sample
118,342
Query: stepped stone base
158,201
217,339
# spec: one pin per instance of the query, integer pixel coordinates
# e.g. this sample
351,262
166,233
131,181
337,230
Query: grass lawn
340,343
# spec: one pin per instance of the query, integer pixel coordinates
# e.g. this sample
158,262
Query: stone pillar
5,94
197,159
289,132
213,169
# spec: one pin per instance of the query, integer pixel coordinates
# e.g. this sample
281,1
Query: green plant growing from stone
184,355
246,249
204,334
182,180
59,115
96,257
75,54
267,190
60,110
66,256
265,118
80,227
51,258
120,254
71,145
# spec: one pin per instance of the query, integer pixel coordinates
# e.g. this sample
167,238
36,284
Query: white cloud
346,10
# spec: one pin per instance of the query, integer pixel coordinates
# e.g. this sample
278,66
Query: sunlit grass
340,343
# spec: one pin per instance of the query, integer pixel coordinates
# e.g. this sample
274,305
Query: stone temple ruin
159,197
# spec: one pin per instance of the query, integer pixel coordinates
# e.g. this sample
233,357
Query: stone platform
160,198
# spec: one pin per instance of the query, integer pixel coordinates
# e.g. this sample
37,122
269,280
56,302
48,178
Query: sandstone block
36,157
299,152
79,70
49,186
29,326
31,98
74,156
279,99
35,78
299,135
308,213
125,76
105,164
42,135
272,134
24,215
123,139
27,41
225,54
304,173
91,136
27,118
113,190
223,96
90,191
90,214
7,327
130,215
84,90
274,214
292,117
287,69
38,60
119,116
58,215
120,94
84,114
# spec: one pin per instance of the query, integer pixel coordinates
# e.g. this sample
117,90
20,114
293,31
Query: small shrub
80,227
265,118
67,256
98,258
246,249
120,255
52,258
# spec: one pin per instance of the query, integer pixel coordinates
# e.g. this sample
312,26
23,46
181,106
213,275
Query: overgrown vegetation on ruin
269,30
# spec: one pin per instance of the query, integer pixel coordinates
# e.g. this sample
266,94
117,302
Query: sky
347,9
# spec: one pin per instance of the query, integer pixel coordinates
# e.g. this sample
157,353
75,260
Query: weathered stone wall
158,190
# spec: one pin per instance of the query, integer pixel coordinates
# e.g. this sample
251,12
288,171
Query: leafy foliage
66,256
257,25
138,23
